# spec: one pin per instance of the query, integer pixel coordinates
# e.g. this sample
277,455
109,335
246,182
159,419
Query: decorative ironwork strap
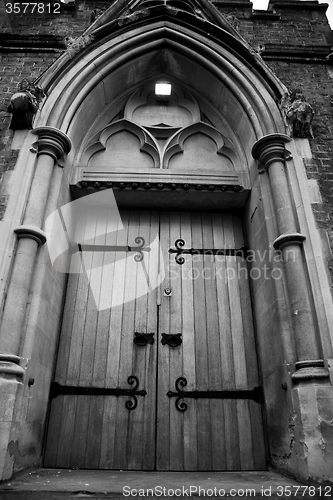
179,251
83,247
57,390
255,394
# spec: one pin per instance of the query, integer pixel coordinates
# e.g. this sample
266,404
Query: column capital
288,239
52,142
270,148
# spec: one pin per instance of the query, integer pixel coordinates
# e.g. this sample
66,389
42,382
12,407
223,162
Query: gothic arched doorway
157,365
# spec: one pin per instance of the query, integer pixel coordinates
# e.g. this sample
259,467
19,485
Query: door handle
172,339
142,339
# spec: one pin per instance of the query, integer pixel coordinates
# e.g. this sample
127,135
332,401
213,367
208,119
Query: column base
11,374
312,452
311,369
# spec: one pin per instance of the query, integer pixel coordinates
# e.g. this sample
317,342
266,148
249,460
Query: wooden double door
196,308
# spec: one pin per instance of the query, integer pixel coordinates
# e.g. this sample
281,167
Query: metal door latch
172,339
142,339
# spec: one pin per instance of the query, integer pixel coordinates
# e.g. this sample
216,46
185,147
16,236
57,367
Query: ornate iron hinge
83,247
57,390
255,394
179,250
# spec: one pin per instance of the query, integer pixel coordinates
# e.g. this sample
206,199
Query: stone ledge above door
166,189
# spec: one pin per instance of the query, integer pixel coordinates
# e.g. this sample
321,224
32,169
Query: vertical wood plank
258,439
79,439
245,435
135,430
109,326
189,367
92,353
175,353
201,347
213,345
79,442
150,376
124,416
223,239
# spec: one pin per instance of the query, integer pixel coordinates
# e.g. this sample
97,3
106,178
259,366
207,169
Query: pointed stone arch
101,153
214,146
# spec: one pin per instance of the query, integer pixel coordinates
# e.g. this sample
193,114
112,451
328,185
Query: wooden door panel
210,297
97,350
210,306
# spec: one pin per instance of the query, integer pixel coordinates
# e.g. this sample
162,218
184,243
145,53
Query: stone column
272,155
52,144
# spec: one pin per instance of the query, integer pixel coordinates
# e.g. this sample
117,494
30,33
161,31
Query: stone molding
271,148
310,369
52,142
286,239
9,366
32,232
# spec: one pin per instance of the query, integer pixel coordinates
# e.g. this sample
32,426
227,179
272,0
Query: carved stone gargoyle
299,115
24,105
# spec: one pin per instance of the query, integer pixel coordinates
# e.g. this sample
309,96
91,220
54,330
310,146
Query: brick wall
296,42
14,67
17,31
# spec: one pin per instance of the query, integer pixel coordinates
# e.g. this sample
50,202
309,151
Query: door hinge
255,394
63,390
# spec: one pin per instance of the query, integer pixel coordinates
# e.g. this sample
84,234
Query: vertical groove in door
158,305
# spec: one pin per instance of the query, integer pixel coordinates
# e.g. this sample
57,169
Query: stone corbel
24,105
298,115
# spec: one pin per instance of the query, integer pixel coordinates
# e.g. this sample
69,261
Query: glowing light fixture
163,88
